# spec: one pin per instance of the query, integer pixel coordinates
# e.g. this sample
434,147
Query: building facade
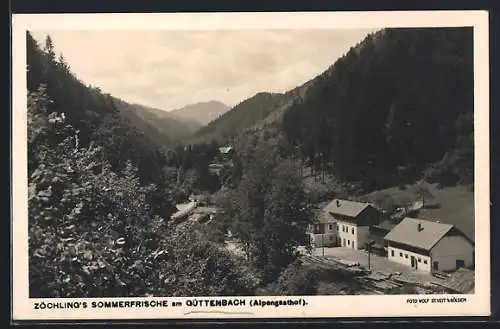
323,234
353,221
352,235
429,246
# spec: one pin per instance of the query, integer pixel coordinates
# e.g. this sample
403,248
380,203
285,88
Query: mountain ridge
173,127
397,105
201,112
240,117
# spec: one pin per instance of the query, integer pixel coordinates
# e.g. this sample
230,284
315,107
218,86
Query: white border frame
318,306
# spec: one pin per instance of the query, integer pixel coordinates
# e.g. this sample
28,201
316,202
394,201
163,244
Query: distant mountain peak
202,112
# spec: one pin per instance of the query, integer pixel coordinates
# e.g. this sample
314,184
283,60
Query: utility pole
369,257
323,241
369,248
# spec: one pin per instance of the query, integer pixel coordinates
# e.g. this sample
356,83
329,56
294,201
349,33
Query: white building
429,246
353,221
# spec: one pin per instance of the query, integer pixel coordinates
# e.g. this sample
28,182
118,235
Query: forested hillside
166,129
100,201
397,102
86,106
240,117
394,108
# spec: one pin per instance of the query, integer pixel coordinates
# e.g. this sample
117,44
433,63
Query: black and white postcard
250,165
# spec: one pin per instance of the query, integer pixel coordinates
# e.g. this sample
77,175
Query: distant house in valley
429,246
222,161
226,153
353,221
226,149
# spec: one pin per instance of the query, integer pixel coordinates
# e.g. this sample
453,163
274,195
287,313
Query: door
343,242
460,263
414,262
435,266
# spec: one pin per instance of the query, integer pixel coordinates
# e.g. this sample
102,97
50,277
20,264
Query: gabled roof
407,232
346,208
323,217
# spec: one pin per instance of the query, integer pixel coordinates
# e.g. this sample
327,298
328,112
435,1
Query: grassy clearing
451,205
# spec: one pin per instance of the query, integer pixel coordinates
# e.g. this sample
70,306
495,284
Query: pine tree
49,48
63,64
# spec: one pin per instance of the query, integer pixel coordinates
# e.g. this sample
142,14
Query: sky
170,69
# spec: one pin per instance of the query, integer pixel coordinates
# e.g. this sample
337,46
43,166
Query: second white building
429,246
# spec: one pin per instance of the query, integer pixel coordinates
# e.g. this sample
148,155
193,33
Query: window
406,256
425,261
400,254
420,260
352,230
460,263
392,253
348,242
330,227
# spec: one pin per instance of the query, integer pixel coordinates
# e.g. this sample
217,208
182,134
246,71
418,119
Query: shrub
296,279
94,233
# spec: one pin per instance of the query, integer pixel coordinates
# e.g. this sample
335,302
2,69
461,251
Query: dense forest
396,107
401,99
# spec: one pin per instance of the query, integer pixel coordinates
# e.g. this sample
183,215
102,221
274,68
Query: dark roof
408,233
346,208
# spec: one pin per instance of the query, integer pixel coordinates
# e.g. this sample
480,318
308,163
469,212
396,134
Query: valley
209,200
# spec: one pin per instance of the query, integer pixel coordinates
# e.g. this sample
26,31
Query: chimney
420,228
338,203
